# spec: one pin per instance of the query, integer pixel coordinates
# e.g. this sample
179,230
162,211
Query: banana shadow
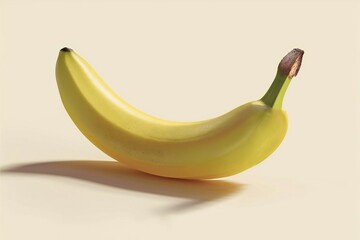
114,174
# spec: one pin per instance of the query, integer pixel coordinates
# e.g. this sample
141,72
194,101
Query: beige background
180,60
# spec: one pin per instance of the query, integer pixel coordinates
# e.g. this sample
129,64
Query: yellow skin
213,148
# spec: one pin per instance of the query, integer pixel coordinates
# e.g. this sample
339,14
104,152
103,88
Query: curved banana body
213,148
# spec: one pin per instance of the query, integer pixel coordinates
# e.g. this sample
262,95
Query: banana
213,148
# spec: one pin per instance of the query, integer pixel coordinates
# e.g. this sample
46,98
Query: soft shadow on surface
114,174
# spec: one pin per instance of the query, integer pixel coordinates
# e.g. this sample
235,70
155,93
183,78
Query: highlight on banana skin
212,148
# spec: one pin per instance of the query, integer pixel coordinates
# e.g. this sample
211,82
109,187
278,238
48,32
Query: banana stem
275,95
287,69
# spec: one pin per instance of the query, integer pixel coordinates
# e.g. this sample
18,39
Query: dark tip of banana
291,63
65,49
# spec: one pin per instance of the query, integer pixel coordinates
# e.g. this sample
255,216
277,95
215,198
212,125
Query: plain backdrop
185,61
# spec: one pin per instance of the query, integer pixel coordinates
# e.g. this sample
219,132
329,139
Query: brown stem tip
66,49
290,64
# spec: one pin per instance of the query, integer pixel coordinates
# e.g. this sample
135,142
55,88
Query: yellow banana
213,148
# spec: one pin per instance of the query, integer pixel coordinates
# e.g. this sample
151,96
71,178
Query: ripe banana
213,148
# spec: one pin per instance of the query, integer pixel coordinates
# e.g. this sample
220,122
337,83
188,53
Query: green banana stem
287,69
275,95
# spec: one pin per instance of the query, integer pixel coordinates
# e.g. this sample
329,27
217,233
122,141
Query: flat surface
186,60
